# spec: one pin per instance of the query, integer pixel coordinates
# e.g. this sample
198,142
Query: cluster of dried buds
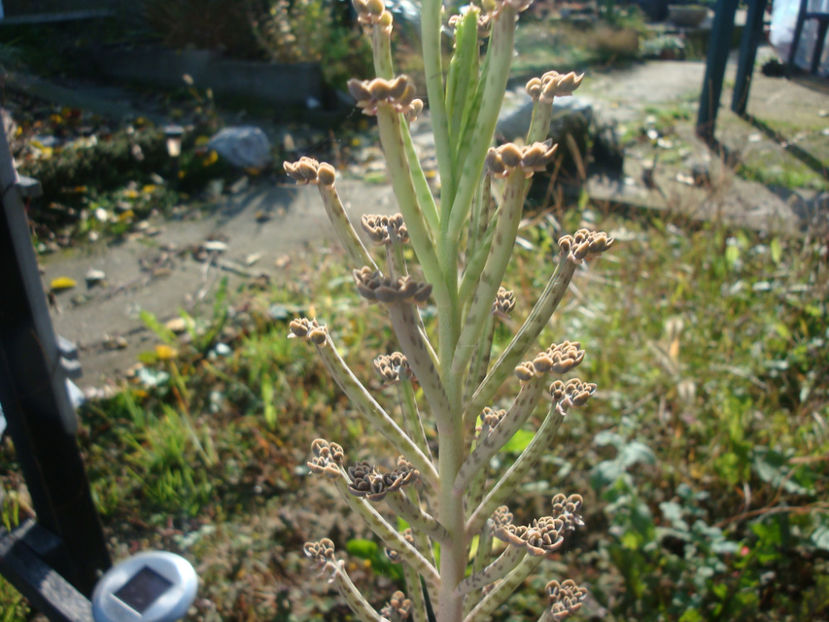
553,84
398,608
397,93
504,303
565,598
373,13
490,418
389,366
327,458
572,393
320,552
583,243
366,481
309,171
501,161
308,329
383,229
372,285
545,535
558,359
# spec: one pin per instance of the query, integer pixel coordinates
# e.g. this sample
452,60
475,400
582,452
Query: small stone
178,325
215,246
93,277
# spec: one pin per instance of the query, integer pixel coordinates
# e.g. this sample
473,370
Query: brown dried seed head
375,7
302,327
398,86
320,552
415,108
583,243
380,89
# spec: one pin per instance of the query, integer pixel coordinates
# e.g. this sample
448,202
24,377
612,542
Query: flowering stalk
463,240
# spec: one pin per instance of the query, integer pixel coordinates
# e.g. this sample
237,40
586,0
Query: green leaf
635,452
364,549
519,441
267,400
776,250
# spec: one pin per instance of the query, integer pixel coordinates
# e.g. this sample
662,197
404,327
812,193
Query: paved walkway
161,275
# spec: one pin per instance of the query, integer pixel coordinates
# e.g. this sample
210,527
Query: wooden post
40,418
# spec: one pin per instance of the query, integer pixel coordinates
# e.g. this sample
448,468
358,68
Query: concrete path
161,275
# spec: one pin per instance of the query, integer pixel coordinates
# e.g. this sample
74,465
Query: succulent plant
444,425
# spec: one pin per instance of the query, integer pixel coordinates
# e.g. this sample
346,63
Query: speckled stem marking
483,610
503,564
348,237
541,443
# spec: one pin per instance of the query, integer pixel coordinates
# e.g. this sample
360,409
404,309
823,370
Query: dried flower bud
565,598
415,108
373,13
374,286
327,458
326,174
525,371
504,302
544,536
320,552
389,366
583,243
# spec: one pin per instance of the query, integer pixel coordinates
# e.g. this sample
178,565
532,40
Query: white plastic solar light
156,586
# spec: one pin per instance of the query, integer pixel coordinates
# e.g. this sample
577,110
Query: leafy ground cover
704,459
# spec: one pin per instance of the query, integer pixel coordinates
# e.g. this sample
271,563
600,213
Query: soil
266,224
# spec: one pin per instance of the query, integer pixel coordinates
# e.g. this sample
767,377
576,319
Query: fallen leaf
61,283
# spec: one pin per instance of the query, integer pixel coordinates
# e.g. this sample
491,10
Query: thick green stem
495,84
454,553
430,28
346,234
500,252
412,420
404,323
444,285
417,518
541,313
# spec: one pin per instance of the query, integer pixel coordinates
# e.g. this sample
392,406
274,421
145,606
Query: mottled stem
346,234
417,518
539,446
541,313
522,407
484,609
391,538
499,254
355,600
503,564
375,414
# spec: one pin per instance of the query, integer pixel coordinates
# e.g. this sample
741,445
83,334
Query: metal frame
40,418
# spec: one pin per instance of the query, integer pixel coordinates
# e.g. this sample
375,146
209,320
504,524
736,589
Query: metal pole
40,418
719,43
748,53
